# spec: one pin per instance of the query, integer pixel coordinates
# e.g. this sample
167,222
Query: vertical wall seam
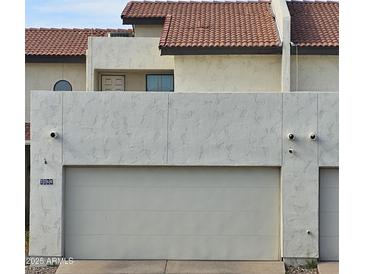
167,128
62,184
318,177
62,94
317,131
281,223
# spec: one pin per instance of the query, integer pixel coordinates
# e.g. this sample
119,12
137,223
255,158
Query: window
160,82
62,85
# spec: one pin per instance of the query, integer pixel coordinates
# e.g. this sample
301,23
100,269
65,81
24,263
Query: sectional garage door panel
329,221
217,213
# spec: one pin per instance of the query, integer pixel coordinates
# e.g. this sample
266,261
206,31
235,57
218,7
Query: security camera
312,136
291,136
53,134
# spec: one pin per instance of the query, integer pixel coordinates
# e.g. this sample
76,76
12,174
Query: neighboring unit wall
147,30
228,73
123,53
43,76
314,73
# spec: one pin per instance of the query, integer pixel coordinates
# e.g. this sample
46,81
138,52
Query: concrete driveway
170,267
328,268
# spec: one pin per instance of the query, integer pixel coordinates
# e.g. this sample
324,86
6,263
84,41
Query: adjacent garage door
216,213
328,214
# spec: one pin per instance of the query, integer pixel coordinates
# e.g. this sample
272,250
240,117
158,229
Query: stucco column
46,162
300,178
282,19
89,66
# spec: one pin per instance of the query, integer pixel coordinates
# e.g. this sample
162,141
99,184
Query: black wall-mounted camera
53,134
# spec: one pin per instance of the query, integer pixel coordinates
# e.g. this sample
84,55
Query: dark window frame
62,80
161,74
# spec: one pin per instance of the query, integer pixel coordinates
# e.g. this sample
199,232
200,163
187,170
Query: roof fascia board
220,51
143,20
55,59
314,50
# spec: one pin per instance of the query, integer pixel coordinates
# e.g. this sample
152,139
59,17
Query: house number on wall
46,181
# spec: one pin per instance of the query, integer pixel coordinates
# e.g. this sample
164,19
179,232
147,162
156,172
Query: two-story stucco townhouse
225,146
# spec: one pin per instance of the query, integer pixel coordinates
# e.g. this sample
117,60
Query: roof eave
29,58
314,50
143,20
219,50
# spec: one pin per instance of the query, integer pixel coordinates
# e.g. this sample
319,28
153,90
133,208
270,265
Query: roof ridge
73,29
195,2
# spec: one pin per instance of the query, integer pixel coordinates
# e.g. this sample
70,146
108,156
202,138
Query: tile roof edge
199,2
127,8
165,31
56,55
78,29
314,1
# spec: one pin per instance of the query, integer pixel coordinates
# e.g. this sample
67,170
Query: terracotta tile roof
210,24
61,42
314,24
27,131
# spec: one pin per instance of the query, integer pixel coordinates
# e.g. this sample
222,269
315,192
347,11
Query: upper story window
160,82
62,85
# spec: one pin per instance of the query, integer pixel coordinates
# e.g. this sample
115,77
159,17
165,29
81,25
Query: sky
74,13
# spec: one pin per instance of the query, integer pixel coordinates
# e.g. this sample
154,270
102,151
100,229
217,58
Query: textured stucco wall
315,73
43,76
147,30
210,129
123,53
228,73
46,208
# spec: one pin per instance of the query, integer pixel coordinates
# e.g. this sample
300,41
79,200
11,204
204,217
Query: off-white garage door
328,214
212,213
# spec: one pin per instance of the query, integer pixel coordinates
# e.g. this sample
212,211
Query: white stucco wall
148,30
227,73
314,73
43,76
124,53
181,129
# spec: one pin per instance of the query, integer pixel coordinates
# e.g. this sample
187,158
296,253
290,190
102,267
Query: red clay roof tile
314,24
61,42
210,24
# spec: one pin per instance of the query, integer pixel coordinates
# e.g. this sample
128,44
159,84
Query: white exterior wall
227,73
211,129
147,30
315,73
43,76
